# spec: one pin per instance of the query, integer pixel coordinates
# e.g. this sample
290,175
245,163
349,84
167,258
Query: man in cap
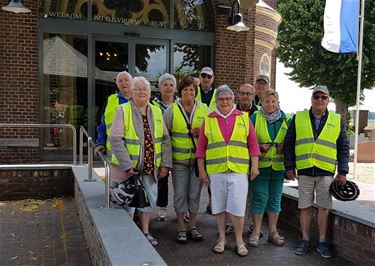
124,85
262,84
315,143
206,90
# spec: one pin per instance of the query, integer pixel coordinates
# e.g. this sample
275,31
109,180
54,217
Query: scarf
271,118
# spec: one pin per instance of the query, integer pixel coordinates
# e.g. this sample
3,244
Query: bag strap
188,127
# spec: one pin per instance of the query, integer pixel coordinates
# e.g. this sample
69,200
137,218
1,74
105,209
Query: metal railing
90,147
2,125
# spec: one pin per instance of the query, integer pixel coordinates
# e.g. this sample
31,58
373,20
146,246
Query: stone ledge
112,238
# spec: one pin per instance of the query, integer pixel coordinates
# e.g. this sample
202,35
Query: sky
293,98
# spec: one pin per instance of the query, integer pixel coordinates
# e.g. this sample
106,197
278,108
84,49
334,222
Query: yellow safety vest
182,146
321,152
234,156
271,157
109,115
212,105
132,141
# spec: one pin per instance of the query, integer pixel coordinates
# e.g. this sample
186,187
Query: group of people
241,151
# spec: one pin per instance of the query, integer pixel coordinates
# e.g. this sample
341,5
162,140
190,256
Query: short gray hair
224,90
143,80
165,77
123,73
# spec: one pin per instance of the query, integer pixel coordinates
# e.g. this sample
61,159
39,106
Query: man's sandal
150,239
181,236
195,235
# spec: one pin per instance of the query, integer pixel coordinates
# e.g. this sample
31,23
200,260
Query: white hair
225,90
123,73
165,77
143,80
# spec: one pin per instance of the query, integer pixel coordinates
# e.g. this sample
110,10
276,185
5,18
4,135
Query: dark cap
207,70
320,88
263,77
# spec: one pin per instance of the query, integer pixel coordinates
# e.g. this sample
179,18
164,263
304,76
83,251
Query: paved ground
199,253
41,232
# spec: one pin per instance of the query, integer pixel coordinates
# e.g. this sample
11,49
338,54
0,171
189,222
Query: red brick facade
236,61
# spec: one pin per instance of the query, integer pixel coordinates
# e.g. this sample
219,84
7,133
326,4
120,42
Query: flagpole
360,48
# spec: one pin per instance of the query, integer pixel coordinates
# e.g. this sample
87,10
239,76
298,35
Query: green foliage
300,35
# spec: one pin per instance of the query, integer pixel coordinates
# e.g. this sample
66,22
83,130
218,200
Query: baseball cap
320,88
207,70
263,77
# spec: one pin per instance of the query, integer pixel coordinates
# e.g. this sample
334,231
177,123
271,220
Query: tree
300,35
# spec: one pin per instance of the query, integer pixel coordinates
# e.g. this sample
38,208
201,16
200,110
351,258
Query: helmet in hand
347,192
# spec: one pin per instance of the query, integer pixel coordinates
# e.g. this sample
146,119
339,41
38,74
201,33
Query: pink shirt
226,128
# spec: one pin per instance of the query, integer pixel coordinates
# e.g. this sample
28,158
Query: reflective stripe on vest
271,157
132,141
212,105
322,152
234,156
109,115
182,146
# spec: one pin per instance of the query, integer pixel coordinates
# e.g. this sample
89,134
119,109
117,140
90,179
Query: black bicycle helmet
347,192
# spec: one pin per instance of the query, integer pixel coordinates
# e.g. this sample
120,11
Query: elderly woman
183,120
140,145
271,125
167,88
227,141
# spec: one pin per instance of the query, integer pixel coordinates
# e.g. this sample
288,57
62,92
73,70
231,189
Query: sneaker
303,248
162,215
276,239
254,240
324,251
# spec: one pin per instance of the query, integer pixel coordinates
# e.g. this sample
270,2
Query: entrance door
139,57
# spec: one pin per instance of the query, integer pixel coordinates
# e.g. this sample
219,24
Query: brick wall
19,97
234,52
35,184
351,240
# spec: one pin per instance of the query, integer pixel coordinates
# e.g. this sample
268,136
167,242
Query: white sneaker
162,215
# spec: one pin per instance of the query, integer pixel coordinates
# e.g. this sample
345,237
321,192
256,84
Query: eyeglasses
245,93
226,99
322,97
203,75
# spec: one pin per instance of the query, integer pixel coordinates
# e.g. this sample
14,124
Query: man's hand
291,174
203,177
163,172
340,179
99,148
195,132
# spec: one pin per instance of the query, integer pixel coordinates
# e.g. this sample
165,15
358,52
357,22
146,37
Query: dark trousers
162,200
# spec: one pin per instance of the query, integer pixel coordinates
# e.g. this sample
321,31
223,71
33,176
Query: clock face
265,65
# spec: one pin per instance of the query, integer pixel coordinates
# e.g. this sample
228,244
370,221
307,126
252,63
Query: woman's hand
195,132
203,177
131,172
254,173
163,172
265,147
291,174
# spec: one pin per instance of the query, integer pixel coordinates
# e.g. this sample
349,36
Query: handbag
133,186
195,165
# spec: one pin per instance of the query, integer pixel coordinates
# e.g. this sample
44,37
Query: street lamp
235,21
16,6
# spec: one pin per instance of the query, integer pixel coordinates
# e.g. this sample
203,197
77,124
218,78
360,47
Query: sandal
219,248
150,239
181,236
241,250
276,239
194,234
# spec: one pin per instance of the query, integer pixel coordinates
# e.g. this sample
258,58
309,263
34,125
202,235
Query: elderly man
206,90
315,143
124,84
262,84
246,95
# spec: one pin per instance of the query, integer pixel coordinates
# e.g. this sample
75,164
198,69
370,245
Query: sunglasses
206,76
322,97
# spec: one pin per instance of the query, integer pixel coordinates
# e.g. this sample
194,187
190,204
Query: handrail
90,145
3,125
